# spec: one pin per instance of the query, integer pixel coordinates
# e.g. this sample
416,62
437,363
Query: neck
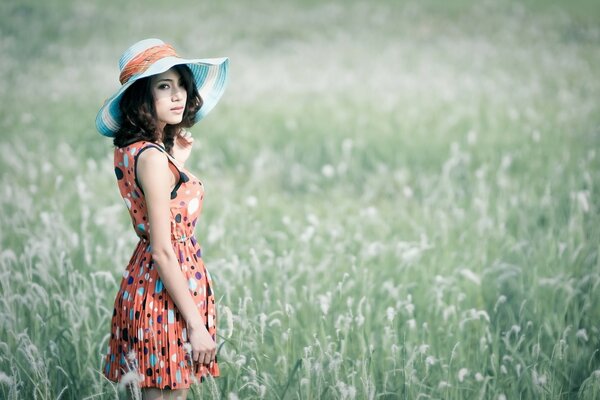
161,137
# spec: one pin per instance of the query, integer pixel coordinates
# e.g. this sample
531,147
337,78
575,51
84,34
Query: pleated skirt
147,331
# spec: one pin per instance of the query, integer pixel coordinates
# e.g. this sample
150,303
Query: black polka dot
149,372
178,218
118,173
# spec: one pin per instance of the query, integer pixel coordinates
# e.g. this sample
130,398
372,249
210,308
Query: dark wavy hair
139,116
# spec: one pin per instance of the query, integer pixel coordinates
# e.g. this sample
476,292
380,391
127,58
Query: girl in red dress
163,328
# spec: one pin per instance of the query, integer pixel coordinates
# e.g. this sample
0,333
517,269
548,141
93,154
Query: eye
163,86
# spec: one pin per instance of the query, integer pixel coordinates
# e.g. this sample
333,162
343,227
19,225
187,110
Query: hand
182,146
204,347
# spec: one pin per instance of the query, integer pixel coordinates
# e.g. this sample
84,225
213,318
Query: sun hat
153,56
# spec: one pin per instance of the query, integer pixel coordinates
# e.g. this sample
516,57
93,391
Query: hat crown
137,48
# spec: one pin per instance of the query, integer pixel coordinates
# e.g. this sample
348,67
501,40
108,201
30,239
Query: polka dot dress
147,332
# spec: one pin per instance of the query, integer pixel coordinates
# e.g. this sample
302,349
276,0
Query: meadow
401,197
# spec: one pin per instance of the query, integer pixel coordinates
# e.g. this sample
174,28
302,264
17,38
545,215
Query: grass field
401,197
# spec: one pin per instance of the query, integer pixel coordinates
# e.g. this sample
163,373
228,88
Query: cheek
159,103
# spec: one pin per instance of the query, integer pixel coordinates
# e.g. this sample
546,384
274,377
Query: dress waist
174,238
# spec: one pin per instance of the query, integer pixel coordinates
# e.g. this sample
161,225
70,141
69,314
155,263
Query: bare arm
156,180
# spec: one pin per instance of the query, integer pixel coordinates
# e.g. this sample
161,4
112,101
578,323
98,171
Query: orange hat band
142,61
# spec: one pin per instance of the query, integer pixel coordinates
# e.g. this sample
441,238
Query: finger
185,134
185,141
207,359
195,355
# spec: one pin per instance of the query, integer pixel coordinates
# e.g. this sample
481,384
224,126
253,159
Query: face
169,97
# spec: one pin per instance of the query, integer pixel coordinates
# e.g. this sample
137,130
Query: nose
179,93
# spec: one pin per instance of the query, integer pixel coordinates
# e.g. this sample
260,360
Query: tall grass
401,199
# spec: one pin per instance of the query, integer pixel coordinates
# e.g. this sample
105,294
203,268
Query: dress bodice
186,197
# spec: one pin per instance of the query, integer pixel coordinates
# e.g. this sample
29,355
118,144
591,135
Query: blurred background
401,196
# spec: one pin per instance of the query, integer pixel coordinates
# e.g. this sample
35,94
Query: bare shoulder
152,158
153,171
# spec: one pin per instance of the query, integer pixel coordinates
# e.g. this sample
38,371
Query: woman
165,299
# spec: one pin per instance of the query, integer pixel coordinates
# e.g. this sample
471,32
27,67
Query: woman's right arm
156,180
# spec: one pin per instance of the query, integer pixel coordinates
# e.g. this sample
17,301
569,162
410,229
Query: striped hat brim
210,75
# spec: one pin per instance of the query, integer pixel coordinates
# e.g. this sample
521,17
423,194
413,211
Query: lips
177,109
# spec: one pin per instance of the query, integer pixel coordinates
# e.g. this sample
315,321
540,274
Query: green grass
401,198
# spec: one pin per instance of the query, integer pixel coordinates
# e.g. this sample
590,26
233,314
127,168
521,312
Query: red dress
147,331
